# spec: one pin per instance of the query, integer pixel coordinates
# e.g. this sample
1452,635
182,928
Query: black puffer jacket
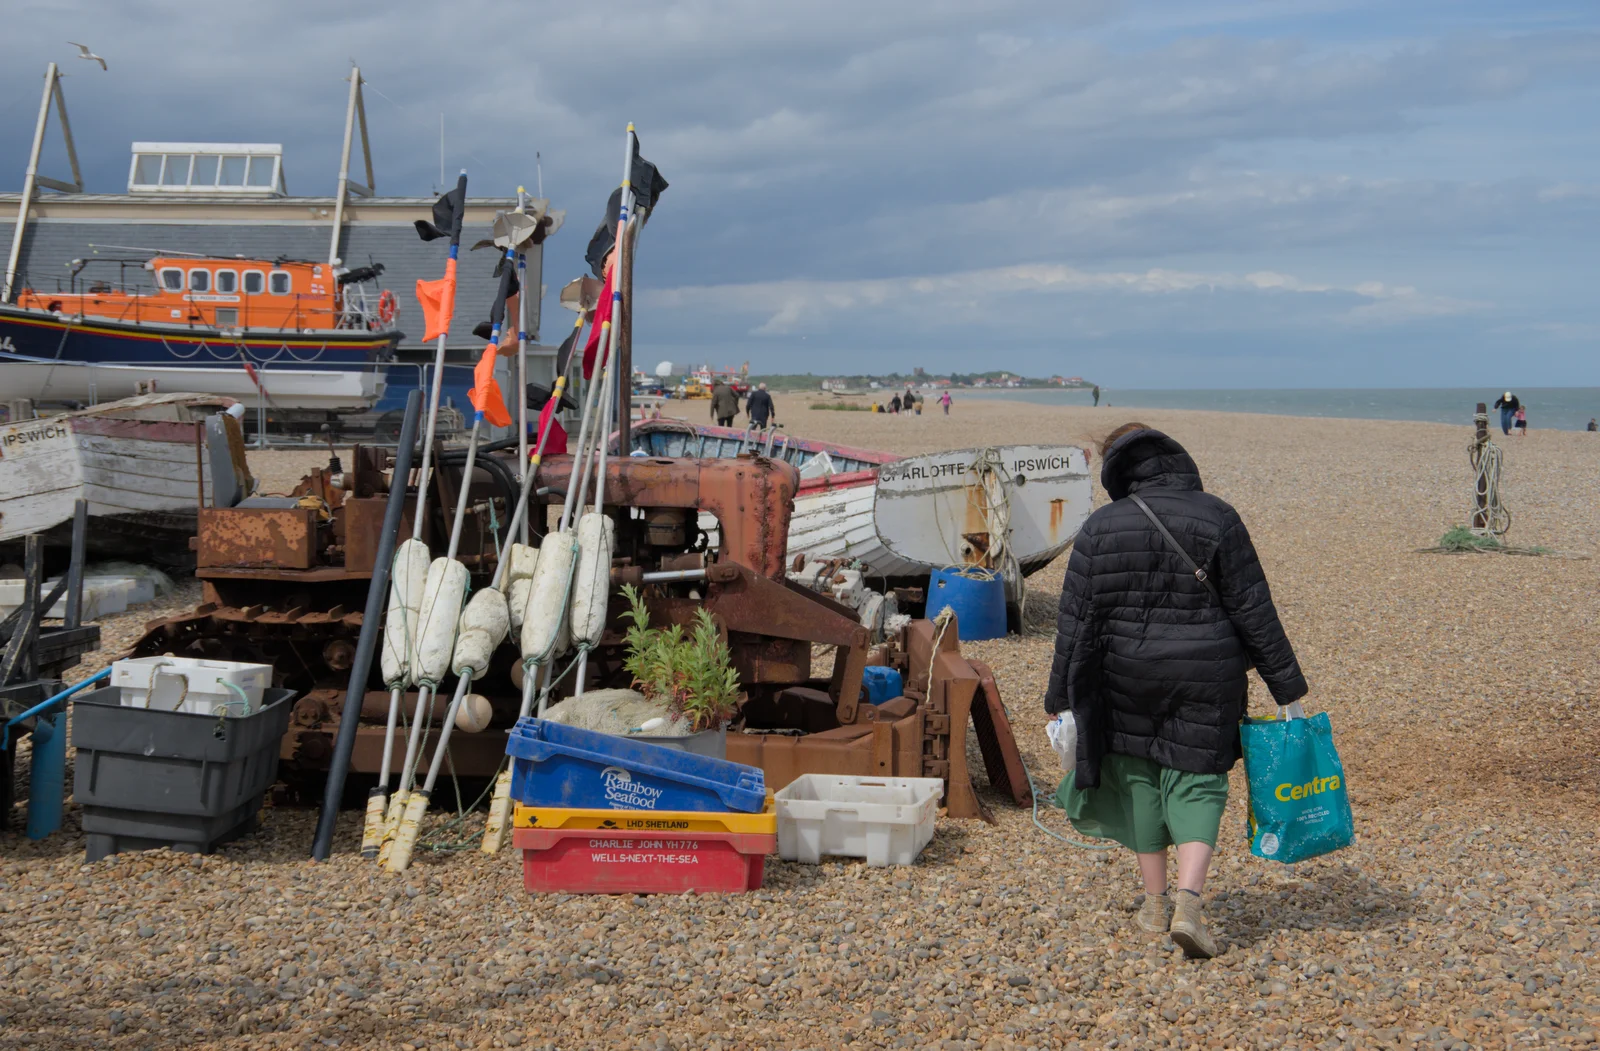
1146,660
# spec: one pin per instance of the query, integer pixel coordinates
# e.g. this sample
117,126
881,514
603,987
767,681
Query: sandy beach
1467,913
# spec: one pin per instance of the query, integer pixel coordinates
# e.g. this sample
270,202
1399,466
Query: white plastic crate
189,684
886,820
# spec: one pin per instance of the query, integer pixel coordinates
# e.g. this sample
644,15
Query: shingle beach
1462,690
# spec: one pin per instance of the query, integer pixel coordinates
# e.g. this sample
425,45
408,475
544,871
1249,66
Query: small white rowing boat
47,382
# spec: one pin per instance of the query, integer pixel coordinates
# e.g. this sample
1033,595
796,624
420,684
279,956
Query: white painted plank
39,476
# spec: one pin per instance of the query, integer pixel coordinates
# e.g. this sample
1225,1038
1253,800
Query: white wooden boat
48,382
1008,507
136,462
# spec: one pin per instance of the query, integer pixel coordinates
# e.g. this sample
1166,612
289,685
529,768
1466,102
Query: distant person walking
1593,426
1151,660
1508,405
1097,395
918,399
894,404
724,404
944,399
1522,421
759,406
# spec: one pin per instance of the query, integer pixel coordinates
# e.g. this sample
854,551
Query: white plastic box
189,684
886,820
103,596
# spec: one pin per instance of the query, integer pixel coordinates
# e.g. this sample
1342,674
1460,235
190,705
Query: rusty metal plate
278,538
363,530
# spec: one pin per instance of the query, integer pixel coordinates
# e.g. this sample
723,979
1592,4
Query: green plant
838,406
1461,538
691,672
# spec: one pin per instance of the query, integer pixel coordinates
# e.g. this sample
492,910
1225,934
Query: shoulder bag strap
1172,542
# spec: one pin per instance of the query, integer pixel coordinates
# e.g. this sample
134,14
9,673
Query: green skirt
1146,807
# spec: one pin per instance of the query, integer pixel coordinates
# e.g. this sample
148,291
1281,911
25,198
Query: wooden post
625,342
80,531
1480,516
200,465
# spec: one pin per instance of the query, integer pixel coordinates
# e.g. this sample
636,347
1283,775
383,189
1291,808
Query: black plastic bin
148,779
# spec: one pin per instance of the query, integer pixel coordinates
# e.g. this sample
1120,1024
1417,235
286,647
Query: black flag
648,185
564,352
447,213
538,396
497,313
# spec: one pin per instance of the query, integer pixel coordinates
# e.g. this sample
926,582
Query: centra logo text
1314,787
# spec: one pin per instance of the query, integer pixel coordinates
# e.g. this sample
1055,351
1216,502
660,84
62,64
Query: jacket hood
1147,459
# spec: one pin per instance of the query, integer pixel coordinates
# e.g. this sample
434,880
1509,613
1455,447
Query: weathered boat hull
946,508
52,382
217,358
676,438
140,477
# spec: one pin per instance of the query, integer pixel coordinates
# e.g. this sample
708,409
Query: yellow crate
762,824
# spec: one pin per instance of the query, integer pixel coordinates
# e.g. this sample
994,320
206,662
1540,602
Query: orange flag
485,394
438,299
508,332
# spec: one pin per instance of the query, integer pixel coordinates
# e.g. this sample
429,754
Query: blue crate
881,684
562,766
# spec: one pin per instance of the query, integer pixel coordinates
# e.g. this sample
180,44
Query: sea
1551,408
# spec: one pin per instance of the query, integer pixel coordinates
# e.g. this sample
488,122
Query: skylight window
220,168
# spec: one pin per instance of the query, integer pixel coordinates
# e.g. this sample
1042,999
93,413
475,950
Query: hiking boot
1155,915
1188,929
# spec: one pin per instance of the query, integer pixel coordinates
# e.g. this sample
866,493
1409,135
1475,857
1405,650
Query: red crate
611,861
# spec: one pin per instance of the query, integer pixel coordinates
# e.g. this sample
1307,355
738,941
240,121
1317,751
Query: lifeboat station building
231,200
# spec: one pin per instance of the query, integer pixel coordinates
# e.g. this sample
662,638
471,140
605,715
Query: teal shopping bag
1299,806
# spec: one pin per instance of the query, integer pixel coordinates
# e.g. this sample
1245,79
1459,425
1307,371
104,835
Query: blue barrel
978,597
881,684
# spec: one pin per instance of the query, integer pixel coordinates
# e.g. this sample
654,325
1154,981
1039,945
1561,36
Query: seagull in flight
84,52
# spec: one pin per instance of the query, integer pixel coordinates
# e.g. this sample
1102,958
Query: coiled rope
992,480
1489,516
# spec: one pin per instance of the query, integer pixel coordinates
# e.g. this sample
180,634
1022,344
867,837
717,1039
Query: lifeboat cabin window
227,281
172,279
279,282
199,280
255,282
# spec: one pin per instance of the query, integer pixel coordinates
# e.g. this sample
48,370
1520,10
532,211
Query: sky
1169,193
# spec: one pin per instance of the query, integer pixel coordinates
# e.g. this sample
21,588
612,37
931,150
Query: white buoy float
524,560
406,582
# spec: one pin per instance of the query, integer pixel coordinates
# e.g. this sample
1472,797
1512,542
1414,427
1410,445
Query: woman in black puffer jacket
1151,662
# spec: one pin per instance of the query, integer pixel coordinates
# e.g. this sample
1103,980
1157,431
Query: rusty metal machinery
285,584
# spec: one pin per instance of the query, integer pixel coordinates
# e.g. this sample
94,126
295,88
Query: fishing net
617,712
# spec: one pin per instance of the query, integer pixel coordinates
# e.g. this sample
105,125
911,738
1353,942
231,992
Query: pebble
1462,691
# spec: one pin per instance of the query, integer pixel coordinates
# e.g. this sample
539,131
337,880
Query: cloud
1070,159
787,308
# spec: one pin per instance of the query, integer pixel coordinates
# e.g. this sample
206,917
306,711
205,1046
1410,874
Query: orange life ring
388,307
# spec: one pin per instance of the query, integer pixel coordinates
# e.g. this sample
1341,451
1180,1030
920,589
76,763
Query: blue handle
5,735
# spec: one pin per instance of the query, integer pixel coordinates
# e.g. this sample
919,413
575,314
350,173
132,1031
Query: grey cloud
842,141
